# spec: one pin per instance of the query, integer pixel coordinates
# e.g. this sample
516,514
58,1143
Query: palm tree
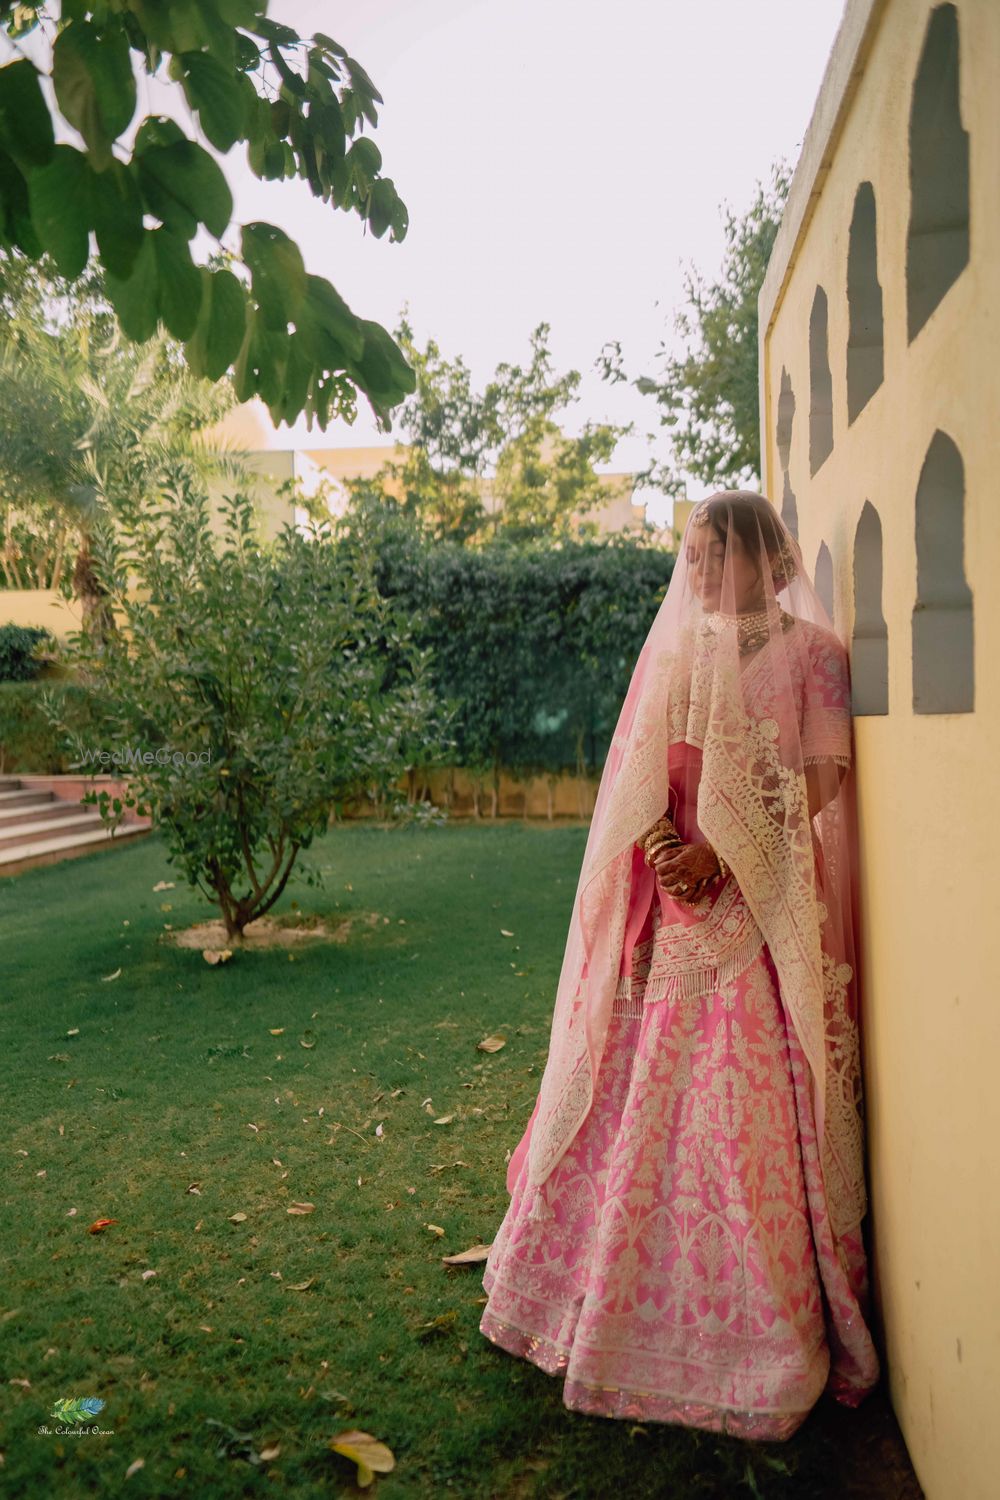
92,426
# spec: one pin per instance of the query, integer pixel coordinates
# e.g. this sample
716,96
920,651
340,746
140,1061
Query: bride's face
706,554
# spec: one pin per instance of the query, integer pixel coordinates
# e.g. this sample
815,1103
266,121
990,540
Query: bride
683,1241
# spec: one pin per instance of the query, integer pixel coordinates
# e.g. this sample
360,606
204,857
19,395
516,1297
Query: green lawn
169,1067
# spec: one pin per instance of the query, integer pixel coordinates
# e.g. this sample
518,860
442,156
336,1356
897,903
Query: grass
172,1081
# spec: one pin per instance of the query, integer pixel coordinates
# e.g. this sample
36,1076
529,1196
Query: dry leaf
378,1128
434,1228
277,1031
165,906
163,885
106,977
444,1120
299,1286
267,1454
304,1043
134,1467
194,1188
147,1274
100,1224
367,1452
491,1044
216,955
74,1032
471,1257
505,933
237,1218
301,1208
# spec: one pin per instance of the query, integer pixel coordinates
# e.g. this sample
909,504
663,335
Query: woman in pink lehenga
683,1241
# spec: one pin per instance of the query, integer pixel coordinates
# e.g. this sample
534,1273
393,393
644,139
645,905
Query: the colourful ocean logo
77,1410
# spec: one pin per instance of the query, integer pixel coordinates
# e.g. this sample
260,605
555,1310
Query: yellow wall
41,607
927,782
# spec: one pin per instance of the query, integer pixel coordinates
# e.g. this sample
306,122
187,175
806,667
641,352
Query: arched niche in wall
937,241
783,440
870,640
823,577
865,366
820,385
943,665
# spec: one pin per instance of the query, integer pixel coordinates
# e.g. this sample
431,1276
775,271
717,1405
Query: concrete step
9,783
46,850
67,819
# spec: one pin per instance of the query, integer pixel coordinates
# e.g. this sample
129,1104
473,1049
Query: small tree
708,399
540,478
246,689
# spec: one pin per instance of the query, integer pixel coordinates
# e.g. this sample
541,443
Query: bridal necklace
753,627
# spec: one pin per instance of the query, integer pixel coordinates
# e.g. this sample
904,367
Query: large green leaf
116,215
182,185
218,336
216,92
94,84
59,194
382,367
135,298
16,227
179,282
279,274
325,319
260,365
298,372
25,122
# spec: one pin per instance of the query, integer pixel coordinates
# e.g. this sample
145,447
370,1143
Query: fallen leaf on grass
267,1454
301,1208
434,1228
439,1324
74,1032
505,933
367,1452
444,1120
299,1286
471,1257
147,1274
216,955
304,1043
277,1031
163,885
100,1224
237,1218
134,1467
491,1044
106,977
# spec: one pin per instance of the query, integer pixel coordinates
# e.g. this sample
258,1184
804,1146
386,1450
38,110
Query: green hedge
27,743
18,647
535,645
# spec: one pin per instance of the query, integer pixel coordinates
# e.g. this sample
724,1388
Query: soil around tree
284,931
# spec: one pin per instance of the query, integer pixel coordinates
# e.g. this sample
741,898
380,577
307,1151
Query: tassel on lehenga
633,992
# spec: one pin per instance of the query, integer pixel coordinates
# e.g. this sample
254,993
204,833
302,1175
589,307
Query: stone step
68,819
45,850
9,783
36,812
24,798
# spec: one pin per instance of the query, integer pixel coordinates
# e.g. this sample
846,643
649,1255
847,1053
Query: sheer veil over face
742,662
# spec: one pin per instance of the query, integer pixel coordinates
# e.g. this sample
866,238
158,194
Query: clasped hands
693,865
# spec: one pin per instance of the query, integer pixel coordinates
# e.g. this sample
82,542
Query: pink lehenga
676,1260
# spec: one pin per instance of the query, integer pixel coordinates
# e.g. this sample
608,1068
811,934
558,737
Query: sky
562,161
